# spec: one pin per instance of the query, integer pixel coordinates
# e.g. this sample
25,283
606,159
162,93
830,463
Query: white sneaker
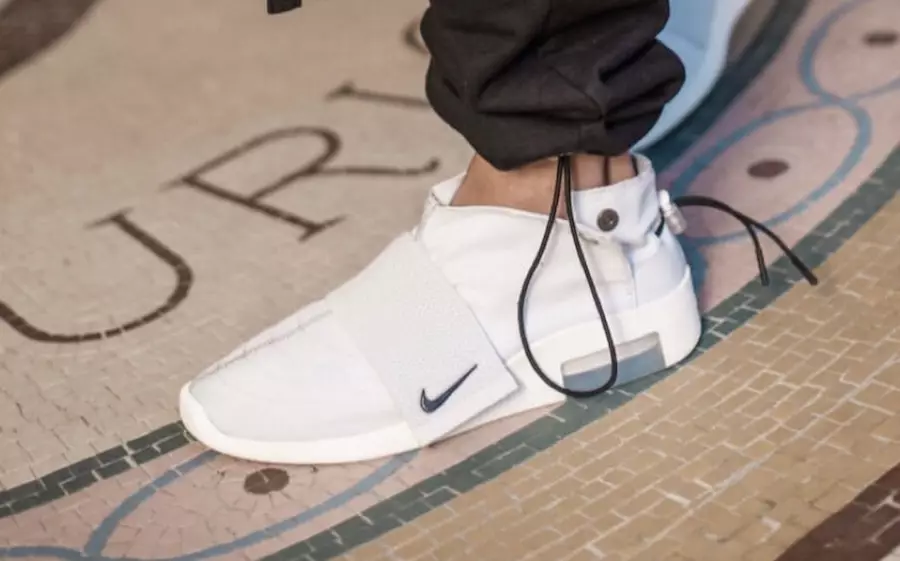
426,341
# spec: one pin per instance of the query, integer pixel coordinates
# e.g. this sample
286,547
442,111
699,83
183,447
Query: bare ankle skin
530,188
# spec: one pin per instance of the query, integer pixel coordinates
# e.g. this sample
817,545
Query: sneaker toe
298,392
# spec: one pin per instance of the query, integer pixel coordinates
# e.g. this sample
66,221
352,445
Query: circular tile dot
608,220
767,169
265,481
881,38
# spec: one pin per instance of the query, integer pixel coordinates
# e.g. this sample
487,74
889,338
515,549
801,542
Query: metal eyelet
608,220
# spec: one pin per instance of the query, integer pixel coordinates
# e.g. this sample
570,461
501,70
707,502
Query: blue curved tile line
100,537
826,100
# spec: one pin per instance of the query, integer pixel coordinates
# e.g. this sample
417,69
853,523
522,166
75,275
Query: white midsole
674,319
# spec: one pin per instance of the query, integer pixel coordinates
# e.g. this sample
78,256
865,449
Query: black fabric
523,80
281,6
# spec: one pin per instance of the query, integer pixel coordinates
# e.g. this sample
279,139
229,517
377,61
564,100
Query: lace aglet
672,215
810,277
750,224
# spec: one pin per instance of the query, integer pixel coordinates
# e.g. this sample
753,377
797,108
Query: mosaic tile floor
167,191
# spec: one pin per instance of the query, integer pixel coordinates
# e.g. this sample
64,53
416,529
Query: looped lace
750,224
564,187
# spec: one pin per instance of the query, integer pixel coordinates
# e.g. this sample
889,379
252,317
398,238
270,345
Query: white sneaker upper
306,379
486,251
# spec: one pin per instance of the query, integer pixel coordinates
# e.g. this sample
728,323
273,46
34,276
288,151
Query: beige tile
771,458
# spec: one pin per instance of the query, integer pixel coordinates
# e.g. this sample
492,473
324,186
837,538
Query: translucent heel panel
637,358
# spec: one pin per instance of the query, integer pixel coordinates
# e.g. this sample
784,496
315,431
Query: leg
492,305
524,80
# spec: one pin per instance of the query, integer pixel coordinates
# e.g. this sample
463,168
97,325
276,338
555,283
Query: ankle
530,188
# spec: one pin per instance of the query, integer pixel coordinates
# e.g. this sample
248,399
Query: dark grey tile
297,551
542,433
160,434
112,454
357,530
172,443
412,511
292,553
146,455
440,497
33,501
326,545
114,468
85,466
500,464
387,509
79,482
55,478
22,491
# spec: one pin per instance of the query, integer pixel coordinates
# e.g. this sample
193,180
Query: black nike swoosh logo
431,405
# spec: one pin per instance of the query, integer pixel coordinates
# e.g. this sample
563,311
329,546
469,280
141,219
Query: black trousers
523,80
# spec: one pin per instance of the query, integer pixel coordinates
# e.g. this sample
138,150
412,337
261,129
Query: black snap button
608,220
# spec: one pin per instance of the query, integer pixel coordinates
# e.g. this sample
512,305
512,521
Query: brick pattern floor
741,454
868,527
125,270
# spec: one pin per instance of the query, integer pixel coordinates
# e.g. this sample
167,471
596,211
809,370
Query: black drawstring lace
750,224
564,182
